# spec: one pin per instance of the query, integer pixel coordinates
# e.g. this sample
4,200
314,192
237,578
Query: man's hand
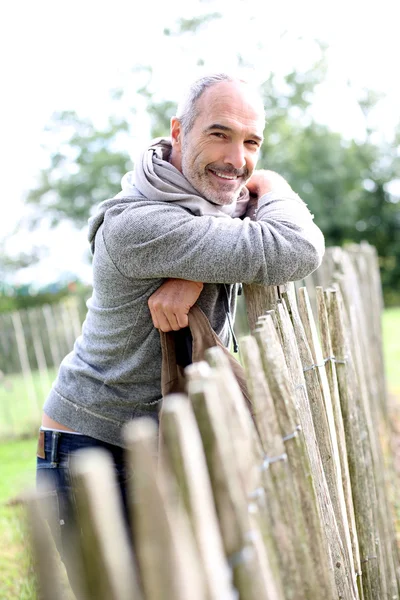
170,304
262,182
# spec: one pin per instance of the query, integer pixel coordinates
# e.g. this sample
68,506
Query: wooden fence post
284,514
75,319
108,559
167,555
47,568
23,356
359,464
185,455
242,429
67,326
360,317
39,352
259,299
52,335
317,437
282,389
255,573
319,394
340,434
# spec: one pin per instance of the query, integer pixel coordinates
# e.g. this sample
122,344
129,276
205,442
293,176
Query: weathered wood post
281,386
254,571
330,367
24,360
324,423
47,567
284,514
52,335
109,567
167,555
185,456
259,299
359,463
33,316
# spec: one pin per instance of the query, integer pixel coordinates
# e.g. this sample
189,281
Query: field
19,416
21,403
17,459
391,336
18,465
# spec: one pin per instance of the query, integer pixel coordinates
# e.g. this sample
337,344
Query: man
176,235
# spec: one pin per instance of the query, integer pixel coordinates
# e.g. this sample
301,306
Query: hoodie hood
97,220
155,178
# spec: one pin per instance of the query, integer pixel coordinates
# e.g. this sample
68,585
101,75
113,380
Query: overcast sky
57,55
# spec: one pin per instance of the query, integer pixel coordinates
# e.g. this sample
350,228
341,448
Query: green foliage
17,301
378,211
85,168
344,182
22,261
160,114
378,221
20,297
8,266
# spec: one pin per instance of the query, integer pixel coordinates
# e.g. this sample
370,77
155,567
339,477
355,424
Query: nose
235,155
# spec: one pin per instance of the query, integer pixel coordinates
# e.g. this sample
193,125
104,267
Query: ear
176,140
176,134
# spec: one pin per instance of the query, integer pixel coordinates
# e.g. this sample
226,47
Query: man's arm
160,240
170,304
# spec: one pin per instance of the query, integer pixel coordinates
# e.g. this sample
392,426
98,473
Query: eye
219,135
252,143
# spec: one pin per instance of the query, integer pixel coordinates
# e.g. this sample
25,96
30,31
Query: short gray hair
187,111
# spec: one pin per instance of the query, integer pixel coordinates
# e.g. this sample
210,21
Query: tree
378,209
86,165
323,167
343,181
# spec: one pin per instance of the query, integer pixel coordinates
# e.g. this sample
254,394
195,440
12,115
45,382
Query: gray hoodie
113,373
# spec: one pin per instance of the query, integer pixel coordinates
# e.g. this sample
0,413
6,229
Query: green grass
21,403
20,415
391,337
17,460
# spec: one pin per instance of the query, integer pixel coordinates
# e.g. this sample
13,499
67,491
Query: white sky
57,55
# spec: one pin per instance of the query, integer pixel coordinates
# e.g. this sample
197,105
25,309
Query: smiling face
218,155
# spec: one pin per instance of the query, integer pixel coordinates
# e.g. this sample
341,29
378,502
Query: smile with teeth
224,175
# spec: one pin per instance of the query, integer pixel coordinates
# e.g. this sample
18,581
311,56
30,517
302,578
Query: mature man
176,235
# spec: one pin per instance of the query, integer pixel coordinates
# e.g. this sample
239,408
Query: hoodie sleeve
159,240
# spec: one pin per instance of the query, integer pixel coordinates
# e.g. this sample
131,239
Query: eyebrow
230,130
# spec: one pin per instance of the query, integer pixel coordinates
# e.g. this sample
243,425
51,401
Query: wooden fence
285,499
32,344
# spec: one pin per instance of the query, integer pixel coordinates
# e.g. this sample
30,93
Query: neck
175,160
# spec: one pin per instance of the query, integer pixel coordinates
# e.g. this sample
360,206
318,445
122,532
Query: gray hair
188,111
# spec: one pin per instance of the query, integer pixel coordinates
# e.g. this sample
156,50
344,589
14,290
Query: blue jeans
53,477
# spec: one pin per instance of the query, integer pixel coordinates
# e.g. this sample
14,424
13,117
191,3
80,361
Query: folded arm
170,304
162,240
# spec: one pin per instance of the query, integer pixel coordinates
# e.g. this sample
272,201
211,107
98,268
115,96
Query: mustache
226,170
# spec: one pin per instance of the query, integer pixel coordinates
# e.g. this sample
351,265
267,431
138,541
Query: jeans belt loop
55,435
